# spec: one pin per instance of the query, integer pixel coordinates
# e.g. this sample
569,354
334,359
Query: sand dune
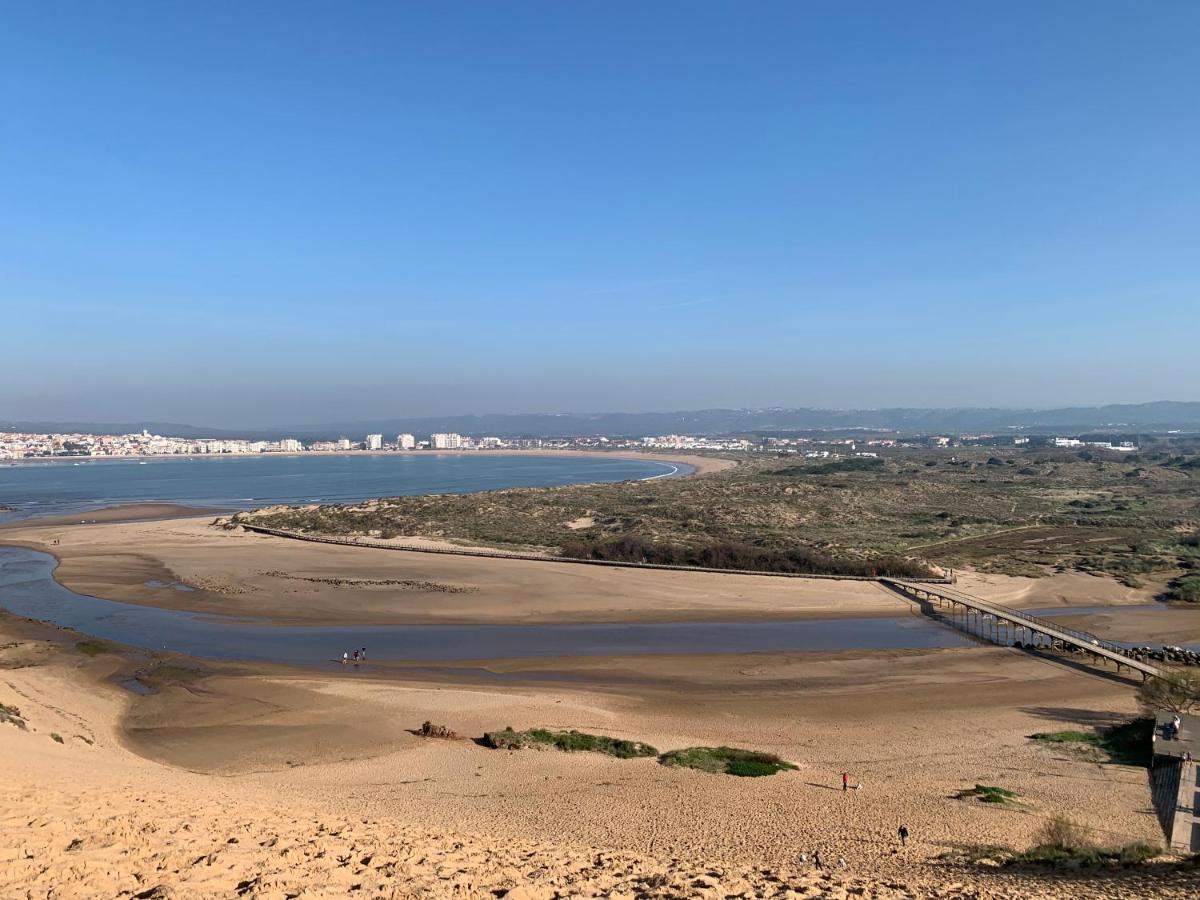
374,811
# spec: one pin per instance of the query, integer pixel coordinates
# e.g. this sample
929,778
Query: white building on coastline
406,441
448,441
374,441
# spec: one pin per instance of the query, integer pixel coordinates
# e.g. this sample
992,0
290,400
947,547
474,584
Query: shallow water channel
28,588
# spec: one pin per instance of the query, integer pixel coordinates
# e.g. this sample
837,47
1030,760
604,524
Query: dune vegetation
1011,510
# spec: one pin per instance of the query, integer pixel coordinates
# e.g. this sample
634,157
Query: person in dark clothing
817,861
903,832
845,782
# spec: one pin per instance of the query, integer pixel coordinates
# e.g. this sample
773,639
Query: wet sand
126,512
293,582
1167,624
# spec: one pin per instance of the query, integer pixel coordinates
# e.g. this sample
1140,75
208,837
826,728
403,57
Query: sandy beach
283,783
276,781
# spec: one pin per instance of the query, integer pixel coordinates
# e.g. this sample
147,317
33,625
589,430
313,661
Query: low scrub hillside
1131,516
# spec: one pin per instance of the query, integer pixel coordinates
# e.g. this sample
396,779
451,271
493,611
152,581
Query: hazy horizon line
386,417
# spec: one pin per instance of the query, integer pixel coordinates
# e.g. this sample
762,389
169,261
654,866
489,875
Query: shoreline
115,560
167,509
701,465
134,511
287,583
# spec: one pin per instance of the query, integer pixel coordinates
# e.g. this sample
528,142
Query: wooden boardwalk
1003,625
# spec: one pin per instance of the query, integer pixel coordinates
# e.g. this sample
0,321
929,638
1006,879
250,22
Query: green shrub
1127,744
1065,737
987,794
1059,831
1185,589
11,715
835,467
569,741
726,761
1084,855
726,555
1177,691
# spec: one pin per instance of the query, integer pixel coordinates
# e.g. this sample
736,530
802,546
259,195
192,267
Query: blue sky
279,213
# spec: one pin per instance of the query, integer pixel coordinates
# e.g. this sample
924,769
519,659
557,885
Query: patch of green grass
569,741
1127,744
1063,843
726,761
988,794
1066,737
993,853
93,647
166,674
1086,856
11,715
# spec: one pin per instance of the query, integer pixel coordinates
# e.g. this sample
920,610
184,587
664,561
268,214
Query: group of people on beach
818,860
355,656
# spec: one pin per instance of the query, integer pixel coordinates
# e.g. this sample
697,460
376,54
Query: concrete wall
1175,789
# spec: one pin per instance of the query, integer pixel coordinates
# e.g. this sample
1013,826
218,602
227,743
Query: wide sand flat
237,573
249,574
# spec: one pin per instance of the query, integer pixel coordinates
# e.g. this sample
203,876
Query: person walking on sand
845,782
817,861
903,832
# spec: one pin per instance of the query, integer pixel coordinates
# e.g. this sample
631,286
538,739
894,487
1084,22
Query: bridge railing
1082,639
1017,616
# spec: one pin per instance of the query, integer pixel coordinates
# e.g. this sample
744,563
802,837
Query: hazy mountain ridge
1155,416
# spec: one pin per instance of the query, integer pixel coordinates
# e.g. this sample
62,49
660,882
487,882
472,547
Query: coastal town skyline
81,445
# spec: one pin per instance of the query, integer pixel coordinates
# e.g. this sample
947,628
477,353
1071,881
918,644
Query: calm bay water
245,482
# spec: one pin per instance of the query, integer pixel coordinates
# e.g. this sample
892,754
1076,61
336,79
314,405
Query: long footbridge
1005,625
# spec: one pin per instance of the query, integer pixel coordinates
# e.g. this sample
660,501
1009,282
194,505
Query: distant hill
167,429
1158,416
